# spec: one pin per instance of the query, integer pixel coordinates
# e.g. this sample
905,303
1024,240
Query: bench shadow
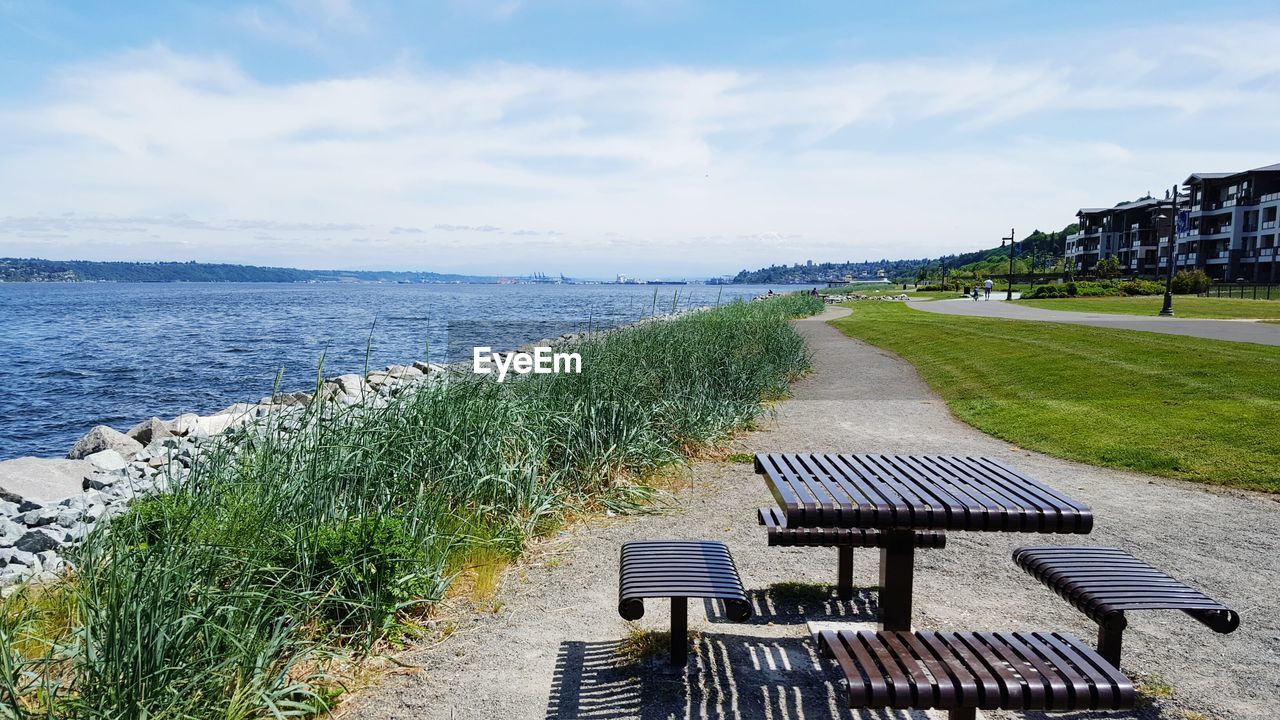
732,676
770,607
728,676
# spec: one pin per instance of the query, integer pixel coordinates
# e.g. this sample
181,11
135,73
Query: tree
1108,267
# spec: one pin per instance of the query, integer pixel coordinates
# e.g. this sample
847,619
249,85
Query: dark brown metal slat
960,671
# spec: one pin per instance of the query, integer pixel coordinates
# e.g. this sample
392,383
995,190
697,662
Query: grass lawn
1190,306
1181,407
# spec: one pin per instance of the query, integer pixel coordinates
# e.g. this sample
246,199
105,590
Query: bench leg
897,565
844,572
962,714
1109,639
679,631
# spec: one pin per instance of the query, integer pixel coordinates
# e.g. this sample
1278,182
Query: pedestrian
986,287
975,293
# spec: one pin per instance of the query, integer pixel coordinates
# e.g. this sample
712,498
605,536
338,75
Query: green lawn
1182,407
1190,306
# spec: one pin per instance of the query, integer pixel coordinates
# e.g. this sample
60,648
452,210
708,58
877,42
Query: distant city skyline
654,139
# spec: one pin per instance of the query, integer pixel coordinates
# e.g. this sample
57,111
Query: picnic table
902,494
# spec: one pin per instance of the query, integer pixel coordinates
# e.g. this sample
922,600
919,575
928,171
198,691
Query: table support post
844,572
679,631
897,565
963,714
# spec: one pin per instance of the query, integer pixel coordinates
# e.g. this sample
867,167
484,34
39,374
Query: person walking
986,287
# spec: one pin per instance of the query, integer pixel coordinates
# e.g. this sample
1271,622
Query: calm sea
77,355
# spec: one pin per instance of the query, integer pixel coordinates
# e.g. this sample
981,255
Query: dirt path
549,652
1234,330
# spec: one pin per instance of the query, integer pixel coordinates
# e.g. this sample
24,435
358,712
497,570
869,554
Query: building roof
1091,211
1193,177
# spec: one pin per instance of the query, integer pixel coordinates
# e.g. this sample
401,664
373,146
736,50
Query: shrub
1108,267
1141,287
1047,291
370,568
1190,282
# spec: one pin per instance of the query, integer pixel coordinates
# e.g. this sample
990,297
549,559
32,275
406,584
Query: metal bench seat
1104,583
965,672
679,569
780,535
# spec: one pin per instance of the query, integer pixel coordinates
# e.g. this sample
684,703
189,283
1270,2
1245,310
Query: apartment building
1229,229
1129,232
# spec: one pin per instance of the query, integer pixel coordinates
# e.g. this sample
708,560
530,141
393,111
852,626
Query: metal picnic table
900,494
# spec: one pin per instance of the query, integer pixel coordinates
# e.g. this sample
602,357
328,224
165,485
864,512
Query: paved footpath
549,652
1237,330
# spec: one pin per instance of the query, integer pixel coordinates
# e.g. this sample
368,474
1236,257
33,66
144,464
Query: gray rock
104,438
351,384
12,530
148,431
108,460
20,557
69,517
101,481
35,480
8,508
50,561
40,518
36,541
184,424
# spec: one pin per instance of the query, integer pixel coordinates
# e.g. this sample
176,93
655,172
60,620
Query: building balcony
1266,252
1270,197
1269,225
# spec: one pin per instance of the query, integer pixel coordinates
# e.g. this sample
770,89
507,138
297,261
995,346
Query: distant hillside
37,270
1046,248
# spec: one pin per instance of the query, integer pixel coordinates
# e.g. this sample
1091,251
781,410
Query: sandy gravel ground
549,651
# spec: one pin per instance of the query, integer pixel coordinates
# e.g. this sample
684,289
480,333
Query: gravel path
1237,330
549,651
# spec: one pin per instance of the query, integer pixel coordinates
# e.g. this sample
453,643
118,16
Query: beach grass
306,546
1187,306
1166,405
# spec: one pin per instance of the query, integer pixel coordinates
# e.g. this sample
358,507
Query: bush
1141,287
370,568
1190,282
1108,267
1047,291
1094,289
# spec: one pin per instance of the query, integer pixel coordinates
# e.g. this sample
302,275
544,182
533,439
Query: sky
670,138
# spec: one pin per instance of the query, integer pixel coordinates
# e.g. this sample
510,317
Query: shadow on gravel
771,607
728,676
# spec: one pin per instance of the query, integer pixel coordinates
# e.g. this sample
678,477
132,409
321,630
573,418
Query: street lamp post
1009,294
1167,310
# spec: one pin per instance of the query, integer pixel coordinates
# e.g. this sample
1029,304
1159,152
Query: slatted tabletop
963,671
924,492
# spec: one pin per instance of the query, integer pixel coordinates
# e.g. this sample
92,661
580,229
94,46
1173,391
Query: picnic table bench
900,495
964,672
679,570
1104,583
844,540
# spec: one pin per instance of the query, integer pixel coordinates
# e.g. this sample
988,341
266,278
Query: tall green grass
223,597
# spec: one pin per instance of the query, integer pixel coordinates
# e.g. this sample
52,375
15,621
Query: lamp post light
1009,294
1167,310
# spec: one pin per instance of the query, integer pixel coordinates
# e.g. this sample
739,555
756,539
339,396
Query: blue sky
663,138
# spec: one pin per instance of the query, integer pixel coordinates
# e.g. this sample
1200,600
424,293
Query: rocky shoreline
49,505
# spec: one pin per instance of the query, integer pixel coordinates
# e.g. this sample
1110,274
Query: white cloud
707,168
